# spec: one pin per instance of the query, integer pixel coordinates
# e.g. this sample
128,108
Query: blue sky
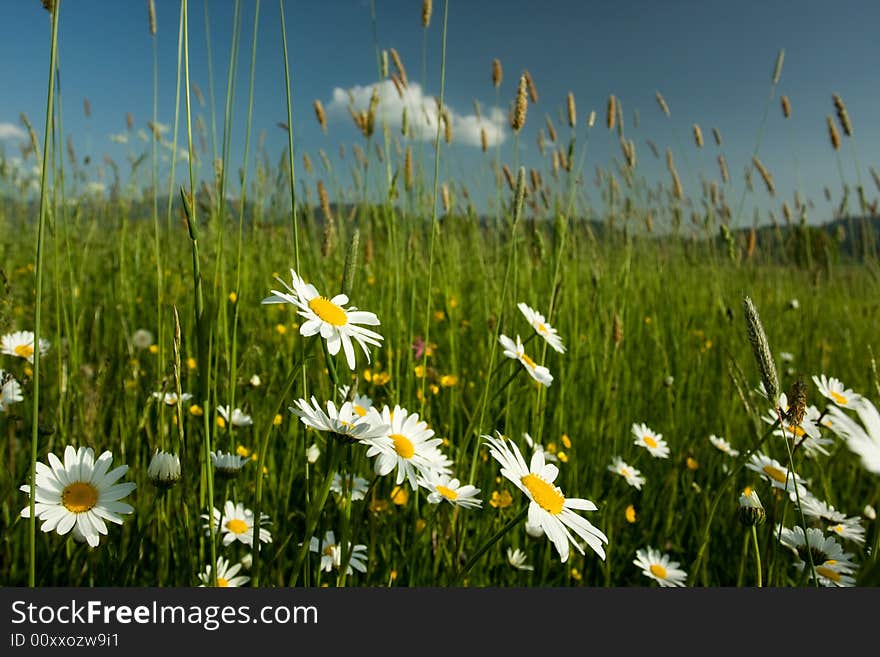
712,61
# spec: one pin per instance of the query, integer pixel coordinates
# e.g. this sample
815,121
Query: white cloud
421,113
11,131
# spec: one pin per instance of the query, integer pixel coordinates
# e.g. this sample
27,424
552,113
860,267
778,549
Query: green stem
519,517
757,555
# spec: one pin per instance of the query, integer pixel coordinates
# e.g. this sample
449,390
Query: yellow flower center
328,311
658,571
24,350
797,431
542,328
624,472
548,497
448,493
360,410
403,445
828,573
840,399
328,551
237,526
837,529
79,497
222,582
528,361
774,473
650,442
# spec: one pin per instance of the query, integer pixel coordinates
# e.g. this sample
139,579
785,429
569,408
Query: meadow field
601,380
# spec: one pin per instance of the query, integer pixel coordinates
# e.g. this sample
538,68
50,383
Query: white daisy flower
775,473
548,507
79,494
313,452
534,530
541,327
226,575
813,507
227,464
517,559
408,445
164,469
849,529
806,433
723,445
830,561
658,566
632,476
650,440
236,419
343,423
516,351
357,485
535,447
327,317
360,404
10,391
331,554
236,523
170,398
443,487
862,438
21,344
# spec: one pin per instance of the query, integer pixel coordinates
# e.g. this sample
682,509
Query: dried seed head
797,403
307,162
876,177
698,136
444,196
447,126
572,115
519,194
551,130
722,164
129,121
49,5
662,102
497,73
611,116
395,58
484,140
717,136
384,63
87,108
508,176
533,92
786,106
677,190
842,115
592,120
321,115
427,7
751,242
765,175
520,106
151,14
832,133
325,201
761,350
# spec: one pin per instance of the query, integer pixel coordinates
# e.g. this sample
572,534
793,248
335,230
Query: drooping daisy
343,423
164,469
171,399
443,487
227,464
517,559
236,419
834,390
360,404
226,575
723,445
548,506
236,523
327,317
850,529
516,351
331,554
407,445
10,391
357,485
659,567
828,557
21,344
813,507
775,473
79,494
650,440
541,326
631,475
863,439
548,456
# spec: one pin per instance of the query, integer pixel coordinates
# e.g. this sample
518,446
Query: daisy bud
227,466
164,469
751,511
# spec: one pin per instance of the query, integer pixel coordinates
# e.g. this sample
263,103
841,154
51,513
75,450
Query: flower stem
492,541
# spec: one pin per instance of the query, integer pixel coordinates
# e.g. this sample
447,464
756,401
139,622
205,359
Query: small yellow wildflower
439,315
191,363
448,380
242,451
221,422
576,575
434,388
630,514
692,463
233,297
399,495
154,349
277,420
562,456
500,500
196,410
566,441
281,329
381,378
420,371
